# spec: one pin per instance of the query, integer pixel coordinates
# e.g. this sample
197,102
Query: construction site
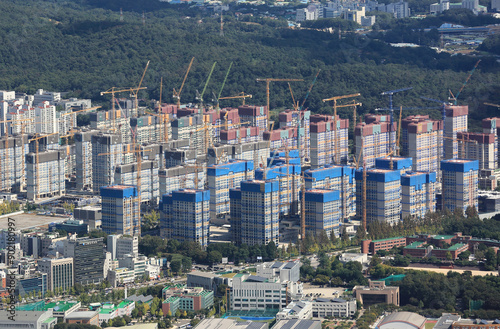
267,180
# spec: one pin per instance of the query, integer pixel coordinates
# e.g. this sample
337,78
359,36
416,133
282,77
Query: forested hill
78,47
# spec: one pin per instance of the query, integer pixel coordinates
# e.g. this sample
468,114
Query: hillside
77,47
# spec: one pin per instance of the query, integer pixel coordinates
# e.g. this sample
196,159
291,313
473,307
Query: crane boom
177,94
206,83
455,98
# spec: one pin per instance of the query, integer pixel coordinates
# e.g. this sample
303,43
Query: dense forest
83,47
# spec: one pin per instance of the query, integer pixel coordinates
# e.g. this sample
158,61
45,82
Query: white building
334,307
312,12
119,246
296,310
256,293
46,96
29,319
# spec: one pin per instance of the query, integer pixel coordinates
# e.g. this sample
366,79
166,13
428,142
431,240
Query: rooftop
387,239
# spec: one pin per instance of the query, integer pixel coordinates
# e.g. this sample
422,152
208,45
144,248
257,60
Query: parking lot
24,221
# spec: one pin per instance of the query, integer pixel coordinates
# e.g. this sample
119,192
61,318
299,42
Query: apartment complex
45,174
185,216
324,139
383,195
258,221
398,163
120,210
460,184
322,212
223,177
290,118
418,194
422,140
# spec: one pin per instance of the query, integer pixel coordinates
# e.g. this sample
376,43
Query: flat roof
81,315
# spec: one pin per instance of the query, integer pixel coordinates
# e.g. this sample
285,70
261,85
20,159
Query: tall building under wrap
418,194
322,212
107,153
373,139
223,177
456,121
185,216
120,210
460,184
339,178
383,195
259,202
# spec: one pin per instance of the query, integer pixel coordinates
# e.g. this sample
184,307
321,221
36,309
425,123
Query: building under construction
418,194
45,175
456,121
150,188
221,178
328,144
12,164
422,140
107,153
322,212
383,195
460,184
337,178
373,139
185,216
257,205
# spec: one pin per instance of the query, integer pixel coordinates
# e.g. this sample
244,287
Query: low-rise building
372,246
178,297
296,310
29,319
298,324
230,324
333,307
476,324
376,292
83,317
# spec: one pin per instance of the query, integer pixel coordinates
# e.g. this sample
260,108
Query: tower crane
455,98
221,88
268,81
135,92
113,91
74,124
390,93
335,106
299,114
200,96
177,94
36,140
240,95
491,104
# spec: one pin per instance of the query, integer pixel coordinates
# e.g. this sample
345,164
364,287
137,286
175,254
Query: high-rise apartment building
478,146
150,188
255,115
45,174
322,212
373,139
12,164
107,153
59,272
460,184
456,121
259,211
120,210
83,159
223,177
398,163
323,140
338,178
422,140
383,195
185,216
418,194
